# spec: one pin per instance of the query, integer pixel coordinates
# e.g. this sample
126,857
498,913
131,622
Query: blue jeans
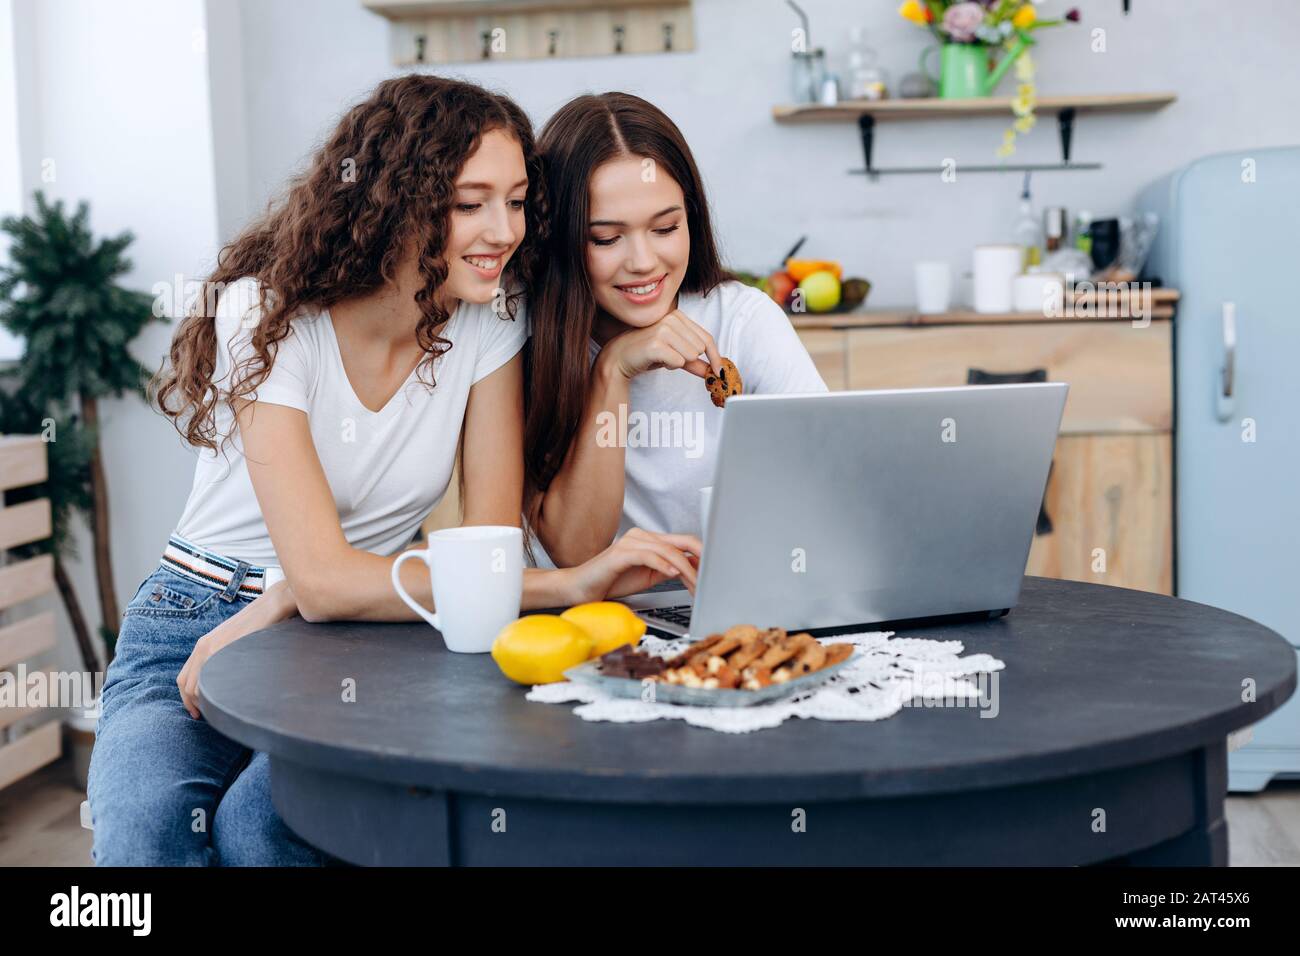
166,789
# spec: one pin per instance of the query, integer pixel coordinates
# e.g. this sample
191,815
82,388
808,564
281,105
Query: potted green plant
60,293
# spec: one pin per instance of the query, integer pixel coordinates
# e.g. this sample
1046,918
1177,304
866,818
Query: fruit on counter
853,292
801,269
539,648
609,624
780,286
821,291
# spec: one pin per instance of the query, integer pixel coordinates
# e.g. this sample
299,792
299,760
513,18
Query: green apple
821,291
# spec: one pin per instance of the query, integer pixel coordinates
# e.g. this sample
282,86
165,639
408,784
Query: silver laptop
852,508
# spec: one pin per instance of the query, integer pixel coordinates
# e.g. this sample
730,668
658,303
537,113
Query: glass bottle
1028,234
866,80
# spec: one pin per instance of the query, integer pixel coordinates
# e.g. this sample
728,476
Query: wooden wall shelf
462,31
866,112
934,108
399,9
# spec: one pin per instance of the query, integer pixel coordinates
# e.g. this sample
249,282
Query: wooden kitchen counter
1108,511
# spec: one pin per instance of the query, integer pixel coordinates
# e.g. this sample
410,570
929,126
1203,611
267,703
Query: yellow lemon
538,649
609,623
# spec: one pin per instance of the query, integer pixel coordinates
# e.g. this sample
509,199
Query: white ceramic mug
477,576
933,287
995,267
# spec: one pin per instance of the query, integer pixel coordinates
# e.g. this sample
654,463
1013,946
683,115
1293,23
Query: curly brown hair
383,183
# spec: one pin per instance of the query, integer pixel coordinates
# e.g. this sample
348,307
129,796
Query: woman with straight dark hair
633,299
346,344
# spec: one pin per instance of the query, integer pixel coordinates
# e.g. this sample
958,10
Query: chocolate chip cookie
724,385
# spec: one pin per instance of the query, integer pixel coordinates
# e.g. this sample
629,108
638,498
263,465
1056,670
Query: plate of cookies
743,666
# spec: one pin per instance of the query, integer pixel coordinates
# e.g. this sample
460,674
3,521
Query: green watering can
964,68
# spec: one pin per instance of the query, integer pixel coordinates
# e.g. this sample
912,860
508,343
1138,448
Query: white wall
1235,75
116,106
11,186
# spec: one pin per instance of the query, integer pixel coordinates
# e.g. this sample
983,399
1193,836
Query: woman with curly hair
344,347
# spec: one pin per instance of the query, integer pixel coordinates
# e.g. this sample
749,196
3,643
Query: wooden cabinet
1109,499
1110,503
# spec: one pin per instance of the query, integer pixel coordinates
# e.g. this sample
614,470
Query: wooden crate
24,636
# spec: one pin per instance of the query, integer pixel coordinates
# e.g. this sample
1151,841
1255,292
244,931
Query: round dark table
1108,744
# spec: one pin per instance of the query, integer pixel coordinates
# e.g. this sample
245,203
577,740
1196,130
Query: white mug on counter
933,287
1039,292
477,577
995,268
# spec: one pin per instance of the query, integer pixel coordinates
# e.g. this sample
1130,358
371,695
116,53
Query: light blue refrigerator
1229,239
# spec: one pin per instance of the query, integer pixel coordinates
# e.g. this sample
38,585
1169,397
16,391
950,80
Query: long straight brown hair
583,135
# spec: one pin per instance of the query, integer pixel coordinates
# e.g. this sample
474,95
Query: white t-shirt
386,469
672,425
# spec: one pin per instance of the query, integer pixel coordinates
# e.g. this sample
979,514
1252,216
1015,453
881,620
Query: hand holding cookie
674,342
725,384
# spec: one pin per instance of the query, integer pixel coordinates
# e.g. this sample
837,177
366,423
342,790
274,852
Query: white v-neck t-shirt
673,427
387,469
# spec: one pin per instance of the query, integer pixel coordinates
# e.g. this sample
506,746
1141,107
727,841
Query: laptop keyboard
679,615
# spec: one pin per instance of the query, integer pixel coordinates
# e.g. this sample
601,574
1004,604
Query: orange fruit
801,269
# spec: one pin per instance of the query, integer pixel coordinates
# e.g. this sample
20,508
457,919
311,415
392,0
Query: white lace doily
886,674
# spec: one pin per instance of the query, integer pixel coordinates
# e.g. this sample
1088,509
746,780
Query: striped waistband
207,567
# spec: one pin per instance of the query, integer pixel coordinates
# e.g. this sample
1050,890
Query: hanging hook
618,38
803,18
668,37
487,44
419,48
552,37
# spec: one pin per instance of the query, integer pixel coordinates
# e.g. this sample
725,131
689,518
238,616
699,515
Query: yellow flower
1006,149
1025,67
914,11
1024,17
1025,123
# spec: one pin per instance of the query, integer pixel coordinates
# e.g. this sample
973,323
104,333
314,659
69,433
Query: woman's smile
487,266
643,292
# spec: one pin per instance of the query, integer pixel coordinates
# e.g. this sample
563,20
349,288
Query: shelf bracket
867,130
1065,125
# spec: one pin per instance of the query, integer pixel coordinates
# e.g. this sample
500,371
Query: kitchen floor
40,823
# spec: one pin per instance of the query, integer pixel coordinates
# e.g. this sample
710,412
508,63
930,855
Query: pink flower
961,20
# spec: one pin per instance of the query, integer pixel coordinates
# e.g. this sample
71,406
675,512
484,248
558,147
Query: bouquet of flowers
992,23
978,21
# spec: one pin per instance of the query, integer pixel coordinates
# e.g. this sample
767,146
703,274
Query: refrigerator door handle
1228,371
